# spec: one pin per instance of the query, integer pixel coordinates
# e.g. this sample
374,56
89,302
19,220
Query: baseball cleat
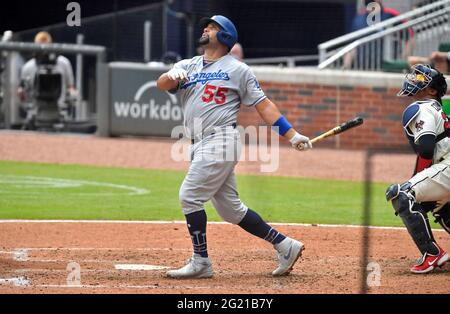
196,267
429,262
288,252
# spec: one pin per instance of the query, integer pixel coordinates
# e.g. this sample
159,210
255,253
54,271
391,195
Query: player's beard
204,40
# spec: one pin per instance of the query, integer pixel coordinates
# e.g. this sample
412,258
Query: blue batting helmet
228,34
421,77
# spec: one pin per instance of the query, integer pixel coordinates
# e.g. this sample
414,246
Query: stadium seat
444,47
397,66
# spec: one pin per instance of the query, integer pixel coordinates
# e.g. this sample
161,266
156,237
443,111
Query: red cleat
429,262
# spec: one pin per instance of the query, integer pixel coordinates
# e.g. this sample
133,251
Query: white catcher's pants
433,184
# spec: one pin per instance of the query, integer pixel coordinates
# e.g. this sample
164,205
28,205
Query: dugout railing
417,32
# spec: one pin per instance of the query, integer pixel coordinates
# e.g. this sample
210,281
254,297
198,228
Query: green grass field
49,191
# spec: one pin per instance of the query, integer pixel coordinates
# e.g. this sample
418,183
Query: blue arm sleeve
425,148
282,125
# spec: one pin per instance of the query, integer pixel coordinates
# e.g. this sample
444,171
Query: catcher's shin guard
443,217
413,216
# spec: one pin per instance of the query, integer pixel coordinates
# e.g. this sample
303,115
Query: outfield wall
313,100
318,100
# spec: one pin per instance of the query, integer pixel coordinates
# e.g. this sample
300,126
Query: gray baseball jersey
214,92
213,95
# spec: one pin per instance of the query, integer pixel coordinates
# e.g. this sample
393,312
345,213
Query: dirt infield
34,255
40,253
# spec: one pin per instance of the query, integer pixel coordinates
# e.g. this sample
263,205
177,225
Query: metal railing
417,32
11,110
289,61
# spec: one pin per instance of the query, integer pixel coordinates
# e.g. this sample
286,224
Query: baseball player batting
212,88
427,129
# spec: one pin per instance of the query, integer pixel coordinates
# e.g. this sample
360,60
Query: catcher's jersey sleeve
426,117
424,123
423,117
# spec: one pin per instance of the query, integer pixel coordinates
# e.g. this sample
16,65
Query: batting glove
300,142
177,74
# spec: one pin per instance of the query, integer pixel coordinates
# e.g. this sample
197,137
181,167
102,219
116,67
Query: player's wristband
282,125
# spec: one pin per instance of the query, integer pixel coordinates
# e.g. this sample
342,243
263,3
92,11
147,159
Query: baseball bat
339,129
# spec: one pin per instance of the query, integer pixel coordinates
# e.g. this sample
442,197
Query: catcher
427,129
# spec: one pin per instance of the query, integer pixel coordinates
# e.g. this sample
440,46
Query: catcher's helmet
228,34
421,77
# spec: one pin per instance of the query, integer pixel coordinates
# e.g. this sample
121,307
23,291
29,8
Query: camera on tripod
45,111
47,81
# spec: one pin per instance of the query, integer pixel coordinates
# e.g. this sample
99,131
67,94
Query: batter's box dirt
331,262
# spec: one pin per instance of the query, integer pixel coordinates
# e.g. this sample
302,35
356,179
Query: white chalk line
95,271
14,221
20,255
27,182
87,261
118,268
15,281
52,271
97,249
140,267
123,287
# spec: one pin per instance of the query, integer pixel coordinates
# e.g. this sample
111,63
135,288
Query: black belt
212,133
443,135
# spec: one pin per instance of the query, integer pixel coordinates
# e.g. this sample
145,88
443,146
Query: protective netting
121,32
266,29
